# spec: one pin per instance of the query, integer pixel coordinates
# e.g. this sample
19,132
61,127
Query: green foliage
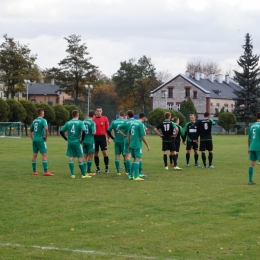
156,116
74,71
17,112
189,105
134,81
247,100
242,131
49,113
61,115
70,108
4,111
16,64
227,120
30,111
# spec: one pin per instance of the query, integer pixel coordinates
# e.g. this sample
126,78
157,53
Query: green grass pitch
193,214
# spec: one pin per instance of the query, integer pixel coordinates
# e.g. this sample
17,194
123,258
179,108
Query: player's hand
184,143
108,141
148,148
44,138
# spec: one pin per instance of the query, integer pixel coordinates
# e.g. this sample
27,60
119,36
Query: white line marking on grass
88,252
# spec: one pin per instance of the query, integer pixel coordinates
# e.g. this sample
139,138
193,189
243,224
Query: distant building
207,93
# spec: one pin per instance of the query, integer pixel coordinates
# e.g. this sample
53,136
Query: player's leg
69,153
209,147
34,157
127,156
203,155
141,174
117,157
78,152
96,158
91,151
165,150
138,153
177,147
253,156
131,173
43,151
196,153
188,149
85,156
103,147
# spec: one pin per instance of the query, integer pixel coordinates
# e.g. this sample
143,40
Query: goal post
10,129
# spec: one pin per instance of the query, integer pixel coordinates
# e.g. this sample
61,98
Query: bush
241,131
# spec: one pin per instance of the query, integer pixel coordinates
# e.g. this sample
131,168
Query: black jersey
167,129
204,129
191,131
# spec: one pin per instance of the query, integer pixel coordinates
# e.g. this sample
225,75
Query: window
170,92
195,94
187,92
163,94
169,106
178,107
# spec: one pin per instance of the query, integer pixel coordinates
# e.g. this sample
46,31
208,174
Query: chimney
52,81
227,79
211,77
187,74
219,78
202,75
42,81
197,76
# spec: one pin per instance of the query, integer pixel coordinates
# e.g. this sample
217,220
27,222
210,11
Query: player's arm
46,133
106,127
63,135
110,135
83,134
157,132
176,131
31,134
181,133
185,132
121,126
212,122
145,141
248,143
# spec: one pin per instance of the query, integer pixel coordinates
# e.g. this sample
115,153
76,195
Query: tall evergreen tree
189,105
247,100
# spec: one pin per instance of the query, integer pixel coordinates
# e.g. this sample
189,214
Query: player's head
206,114
130,113
176,120
98,111
192,117
258,115
91,113
167,115
40,112
142,116
122,113
75,114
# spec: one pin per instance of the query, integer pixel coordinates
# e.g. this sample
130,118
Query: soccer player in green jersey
74,128
123,129
204,132
118,139
136,135
89,142
39,134
253,147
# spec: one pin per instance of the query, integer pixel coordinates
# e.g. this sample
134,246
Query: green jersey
38,128
90,129
126,125
74,127
136,132
114,125
254,136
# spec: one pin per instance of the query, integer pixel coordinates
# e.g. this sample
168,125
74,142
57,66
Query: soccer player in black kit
204,133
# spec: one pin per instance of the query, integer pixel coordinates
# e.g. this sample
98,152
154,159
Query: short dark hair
122,113
206,114
39,111
91,113
167,115
142,115
130,113
175,119
75,113
258,115
98,107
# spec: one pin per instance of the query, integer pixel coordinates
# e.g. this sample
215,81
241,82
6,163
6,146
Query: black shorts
100,141
177,145
206,145
168,146
191,145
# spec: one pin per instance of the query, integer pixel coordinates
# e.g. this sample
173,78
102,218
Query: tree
17,112
61,116
247,100
197,65
189,105
49,113
16,64
163,76
70,108
4,111
134,81
75,71
156,116
30,113
227,120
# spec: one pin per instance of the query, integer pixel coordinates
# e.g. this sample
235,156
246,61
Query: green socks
82,168
89,163
251,173
136,169
117,163
127,166
140,167
85,166
45,166
71,165
34,166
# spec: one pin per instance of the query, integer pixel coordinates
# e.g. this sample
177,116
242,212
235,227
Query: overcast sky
170,32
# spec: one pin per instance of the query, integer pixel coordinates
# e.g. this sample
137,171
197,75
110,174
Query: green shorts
136,153
254,156
88,148
119,148
126,148
74,150
39,146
